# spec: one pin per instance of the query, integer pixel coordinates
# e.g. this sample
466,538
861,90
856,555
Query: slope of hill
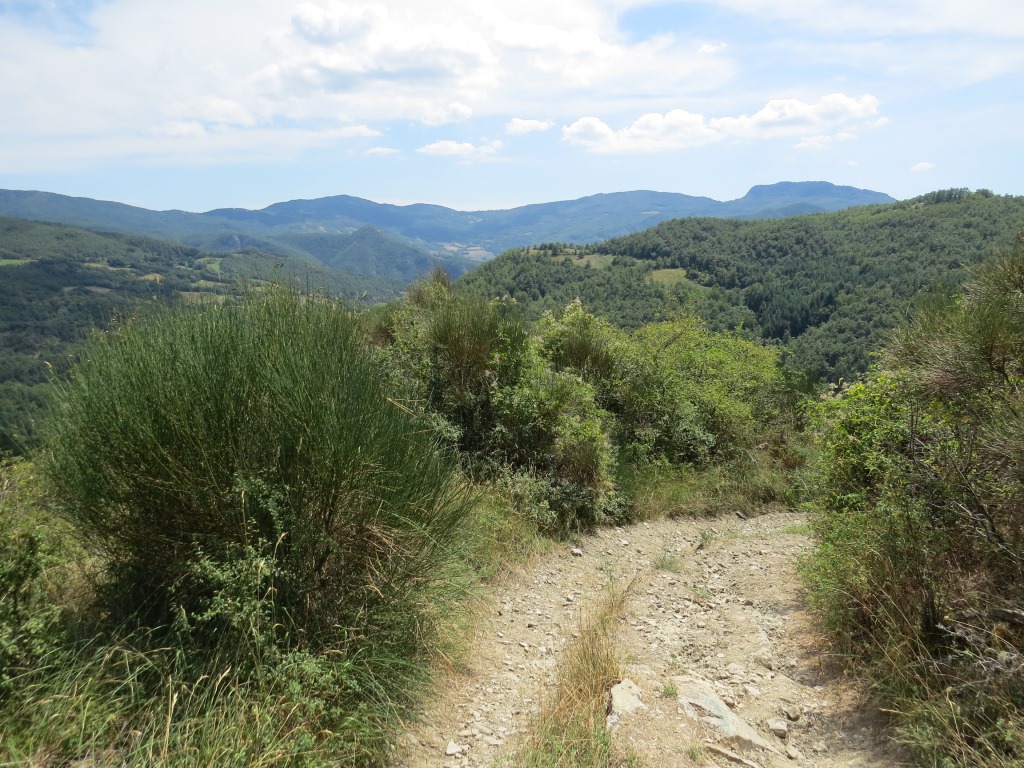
832,284
57,282
444,232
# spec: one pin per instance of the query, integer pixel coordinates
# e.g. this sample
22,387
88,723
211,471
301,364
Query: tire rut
716,604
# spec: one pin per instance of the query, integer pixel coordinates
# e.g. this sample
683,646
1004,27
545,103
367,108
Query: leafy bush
920,483
472,368
679,393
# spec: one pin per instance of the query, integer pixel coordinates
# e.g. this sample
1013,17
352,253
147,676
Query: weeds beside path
715,600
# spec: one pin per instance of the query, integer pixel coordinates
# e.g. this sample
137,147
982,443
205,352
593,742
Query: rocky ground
721,664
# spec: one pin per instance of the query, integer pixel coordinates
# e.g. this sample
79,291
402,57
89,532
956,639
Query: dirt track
715,607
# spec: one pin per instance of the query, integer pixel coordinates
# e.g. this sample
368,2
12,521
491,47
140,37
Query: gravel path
713,620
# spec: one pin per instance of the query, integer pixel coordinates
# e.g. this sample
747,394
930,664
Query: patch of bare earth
727,665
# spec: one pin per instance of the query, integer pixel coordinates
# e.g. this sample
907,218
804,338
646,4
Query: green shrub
249,450
29,620
678,392
918,570
471,367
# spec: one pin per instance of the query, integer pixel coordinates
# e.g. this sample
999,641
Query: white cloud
922,166
336,21
452,113
382,151
652,132
143,68
172,76
794,117
518,126
462,149
680,129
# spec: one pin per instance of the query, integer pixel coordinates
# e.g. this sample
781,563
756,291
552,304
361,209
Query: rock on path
713,622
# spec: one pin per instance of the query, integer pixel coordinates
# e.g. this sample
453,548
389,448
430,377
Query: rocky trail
721,665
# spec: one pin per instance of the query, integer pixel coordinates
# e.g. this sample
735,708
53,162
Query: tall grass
746,483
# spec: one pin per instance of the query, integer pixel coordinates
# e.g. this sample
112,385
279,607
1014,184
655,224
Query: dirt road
727,666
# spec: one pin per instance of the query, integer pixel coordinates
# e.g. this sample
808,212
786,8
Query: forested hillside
58,282
829,285
406,234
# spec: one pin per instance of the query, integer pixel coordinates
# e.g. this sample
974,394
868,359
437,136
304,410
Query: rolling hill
58,282
404,234
829,286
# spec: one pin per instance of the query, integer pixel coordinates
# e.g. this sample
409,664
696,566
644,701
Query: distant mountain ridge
448,234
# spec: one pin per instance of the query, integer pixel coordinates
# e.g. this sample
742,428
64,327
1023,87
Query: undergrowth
918,575
276,546
252,531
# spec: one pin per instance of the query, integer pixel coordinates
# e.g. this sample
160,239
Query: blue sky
199,104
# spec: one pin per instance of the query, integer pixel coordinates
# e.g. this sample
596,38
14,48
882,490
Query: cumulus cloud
265,67
383,151
464,150
518,126
450,113
680,129
922,166
267,70
336,21
652,132
794,117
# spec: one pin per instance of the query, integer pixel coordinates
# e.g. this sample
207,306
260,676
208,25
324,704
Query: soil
713,603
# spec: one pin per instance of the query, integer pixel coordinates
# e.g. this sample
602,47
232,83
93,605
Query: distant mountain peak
429,230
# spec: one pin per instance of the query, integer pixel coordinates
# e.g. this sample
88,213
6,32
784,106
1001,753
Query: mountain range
402,242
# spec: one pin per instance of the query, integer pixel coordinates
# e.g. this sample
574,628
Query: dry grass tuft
570,731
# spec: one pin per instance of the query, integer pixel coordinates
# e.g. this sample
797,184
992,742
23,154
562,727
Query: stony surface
712,603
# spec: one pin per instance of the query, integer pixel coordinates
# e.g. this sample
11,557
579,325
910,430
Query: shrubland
254,526
919,573
571,415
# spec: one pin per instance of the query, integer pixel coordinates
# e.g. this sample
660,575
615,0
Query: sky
483,104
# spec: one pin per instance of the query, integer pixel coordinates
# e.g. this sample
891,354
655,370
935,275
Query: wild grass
570,731
747,484
667,561
667,276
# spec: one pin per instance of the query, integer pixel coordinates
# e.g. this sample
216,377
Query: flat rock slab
700,702
625,699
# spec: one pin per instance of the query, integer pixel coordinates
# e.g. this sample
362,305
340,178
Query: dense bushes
921,484
570,402
271,519
678,393
474,368
255,424
256,501
28,619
